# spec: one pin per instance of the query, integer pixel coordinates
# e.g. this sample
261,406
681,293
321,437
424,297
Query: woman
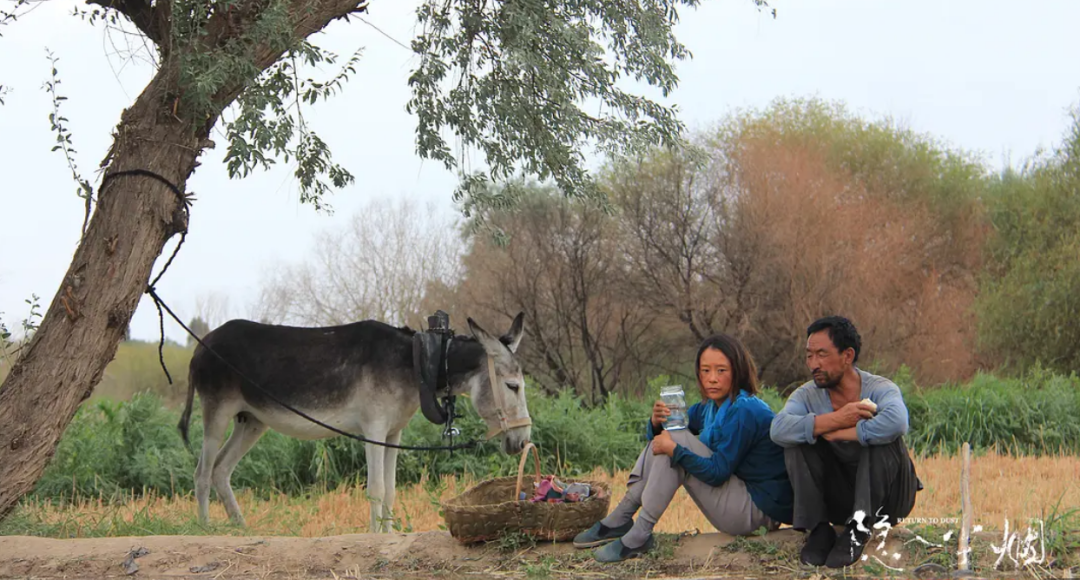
725,459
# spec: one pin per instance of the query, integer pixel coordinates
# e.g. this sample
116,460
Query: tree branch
148,19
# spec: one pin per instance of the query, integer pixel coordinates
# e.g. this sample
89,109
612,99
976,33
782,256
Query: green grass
933,549
115,522
1061,533
541,568
1034,414
515,542
117,449
757,547
136,368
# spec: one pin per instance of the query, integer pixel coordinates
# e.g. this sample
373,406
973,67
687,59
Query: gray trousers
654,481
835,480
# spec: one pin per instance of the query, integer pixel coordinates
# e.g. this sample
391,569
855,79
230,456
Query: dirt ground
415,555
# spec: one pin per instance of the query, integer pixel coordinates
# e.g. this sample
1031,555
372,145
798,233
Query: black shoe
848,548
599,534
617,552
819,542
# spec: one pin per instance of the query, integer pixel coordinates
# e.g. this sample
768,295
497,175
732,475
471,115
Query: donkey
357,377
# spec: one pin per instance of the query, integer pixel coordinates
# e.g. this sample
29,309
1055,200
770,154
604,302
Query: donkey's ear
489,342
512,338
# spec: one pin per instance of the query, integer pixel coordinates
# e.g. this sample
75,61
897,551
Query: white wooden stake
964,563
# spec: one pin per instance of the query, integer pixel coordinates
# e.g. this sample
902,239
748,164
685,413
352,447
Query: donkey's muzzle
514,440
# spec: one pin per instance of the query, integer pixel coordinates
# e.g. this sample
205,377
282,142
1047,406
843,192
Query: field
1005,488
121,479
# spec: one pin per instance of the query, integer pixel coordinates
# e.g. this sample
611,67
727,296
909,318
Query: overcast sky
989,76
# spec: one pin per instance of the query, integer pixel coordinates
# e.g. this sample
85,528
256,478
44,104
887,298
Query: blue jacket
741,447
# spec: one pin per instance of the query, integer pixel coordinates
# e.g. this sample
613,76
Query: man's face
826,363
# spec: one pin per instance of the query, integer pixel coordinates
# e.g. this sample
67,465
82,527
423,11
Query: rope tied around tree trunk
185,205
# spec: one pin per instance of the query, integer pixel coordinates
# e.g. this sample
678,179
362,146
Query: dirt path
437,554
380,555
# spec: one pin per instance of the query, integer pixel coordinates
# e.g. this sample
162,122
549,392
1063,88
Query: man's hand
660,413
850,414
845,417
663,444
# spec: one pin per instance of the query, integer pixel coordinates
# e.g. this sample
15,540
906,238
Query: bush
1032,415
112,449
116,449
1028,300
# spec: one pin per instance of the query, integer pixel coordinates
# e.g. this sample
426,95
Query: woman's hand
663,444
660,413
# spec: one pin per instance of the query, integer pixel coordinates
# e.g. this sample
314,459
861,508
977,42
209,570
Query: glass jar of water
675,400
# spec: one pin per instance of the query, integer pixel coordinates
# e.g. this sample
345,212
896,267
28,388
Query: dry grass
1004,487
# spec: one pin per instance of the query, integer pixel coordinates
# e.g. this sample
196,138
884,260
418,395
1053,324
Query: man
846,458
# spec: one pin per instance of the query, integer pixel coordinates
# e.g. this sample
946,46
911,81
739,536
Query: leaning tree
509,78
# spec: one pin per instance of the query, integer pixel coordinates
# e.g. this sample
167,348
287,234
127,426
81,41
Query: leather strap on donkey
505,422
429,367
430,355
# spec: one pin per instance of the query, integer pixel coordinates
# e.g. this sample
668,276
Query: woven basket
491,509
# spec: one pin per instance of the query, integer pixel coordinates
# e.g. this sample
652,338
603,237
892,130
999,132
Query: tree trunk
134,218
89,315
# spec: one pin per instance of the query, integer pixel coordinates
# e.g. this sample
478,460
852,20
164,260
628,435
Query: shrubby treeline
759,225
768,221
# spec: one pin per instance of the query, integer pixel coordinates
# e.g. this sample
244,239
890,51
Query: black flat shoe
617,552
848,547
599,534
819,543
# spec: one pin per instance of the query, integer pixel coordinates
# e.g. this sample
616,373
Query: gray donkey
357,377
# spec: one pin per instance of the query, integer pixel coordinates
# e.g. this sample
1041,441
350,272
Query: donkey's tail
185,417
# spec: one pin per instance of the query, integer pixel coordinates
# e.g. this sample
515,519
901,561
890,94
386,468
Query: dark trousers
834,480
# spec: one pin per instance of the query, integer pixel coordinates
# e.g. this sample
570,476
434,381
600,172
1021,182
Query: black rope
145,173
442,381
160,304
161,345
185,204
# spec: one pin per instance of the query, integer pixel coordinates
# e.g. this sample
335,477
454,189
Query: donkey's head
498,390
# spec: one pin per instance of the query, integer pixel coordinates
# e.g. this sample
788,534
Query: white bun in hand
871,404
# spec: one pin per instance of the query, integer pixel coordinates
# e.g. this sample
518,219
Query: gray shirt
794,425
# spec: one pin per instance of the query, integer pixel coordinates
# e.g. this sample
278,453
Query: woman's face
715,374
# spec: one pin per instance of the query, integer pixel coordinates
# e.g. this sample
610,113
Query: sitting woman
725,459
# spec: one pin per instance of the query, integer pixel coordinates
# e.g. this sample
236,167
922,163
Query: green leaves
1028,297
512,80
1031,415
10,345
269,123
7,16
270,120
57,124
529,84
